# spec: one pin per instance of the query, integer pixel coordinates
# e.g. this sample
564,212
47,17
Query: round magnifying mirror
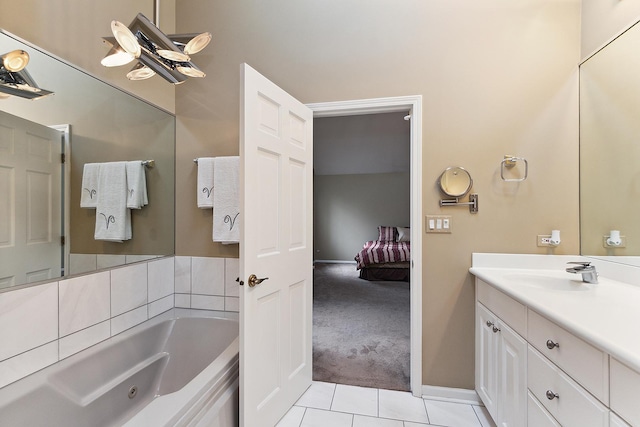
455,181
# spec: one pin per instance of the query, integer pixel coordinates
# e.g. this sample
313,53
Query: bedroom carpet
360,329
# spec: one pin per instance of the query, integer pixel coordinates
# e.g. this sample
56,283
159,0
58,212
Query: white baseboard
449,394
333,261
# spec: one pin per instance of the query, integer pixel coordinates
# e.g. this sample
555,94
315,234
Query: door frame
413,104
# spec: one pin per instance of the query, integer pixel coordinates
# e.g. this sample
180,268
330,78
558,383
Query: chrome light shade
15,79
157,53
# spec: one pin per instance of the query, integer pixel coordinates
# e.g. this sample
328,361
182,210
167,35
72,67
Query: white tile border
92,330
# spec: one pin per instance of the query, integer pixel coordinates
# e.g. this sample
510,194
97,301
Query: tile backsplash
207,283
43,324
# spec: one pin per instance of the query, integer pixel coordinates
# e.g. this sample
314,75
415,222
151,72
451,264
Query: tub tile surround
43,324
207,283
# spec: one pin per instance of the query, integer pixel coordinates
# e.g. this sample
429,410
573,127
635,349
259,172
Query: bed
388,257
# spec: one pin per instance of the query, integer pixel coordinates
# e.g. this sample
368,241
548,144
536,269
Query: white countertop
607,314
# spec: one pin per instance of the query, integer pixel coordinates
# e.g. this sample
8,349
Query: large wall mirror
99,123
610,149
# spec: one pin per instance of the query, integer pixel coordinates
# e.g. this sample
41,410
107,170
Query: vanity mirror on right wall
610,150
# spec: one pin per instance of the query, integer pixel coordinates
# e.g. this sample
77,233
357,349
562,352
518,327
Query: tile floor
338,405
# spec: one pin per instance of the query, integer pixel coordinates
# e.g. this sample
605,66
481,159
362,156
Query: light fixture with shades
15,79
156,52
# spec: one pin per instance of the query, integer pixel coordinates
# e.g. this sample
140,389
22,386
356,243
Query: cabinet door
512,377
487,359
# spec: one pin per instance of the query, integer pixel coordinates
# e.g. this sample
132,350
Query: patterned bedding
379,252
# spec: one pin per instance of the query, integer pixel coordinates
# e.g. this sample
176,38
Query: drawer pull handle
489,323
551,395
496,329
551,345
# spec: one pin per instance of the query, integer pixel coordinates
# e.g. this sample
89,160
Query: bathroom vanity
552,350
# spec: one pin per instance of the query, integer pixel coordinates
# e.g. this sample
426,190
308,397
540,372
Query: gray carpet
360,329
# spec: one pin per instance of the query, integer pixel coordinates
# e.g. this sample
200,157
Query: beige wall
495,78
73,30
602,20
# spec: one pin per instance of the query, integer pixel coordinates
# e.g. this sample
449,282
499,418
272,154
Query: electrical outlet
623,243
544,240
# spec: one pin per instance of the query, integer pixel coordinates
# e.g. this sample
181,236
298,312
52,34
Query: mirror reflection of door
30,201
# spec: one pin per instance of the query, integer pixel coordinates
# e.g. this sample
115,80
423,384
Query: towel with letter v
89,197
226,200
205,182
113,219
136,185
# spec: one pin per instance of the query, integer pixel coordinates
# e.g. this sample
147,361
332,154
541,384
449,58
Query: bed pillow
386,234
404,234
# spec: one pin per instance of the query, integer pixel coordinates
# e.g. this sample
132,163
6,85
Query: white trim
449,394
412,104
65,129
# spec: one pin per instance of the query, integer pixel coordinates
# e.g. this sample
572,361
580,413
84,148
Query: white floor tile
362,421
451,414
410,424
293,418
318,396
401,405
483,416
355,400
319,418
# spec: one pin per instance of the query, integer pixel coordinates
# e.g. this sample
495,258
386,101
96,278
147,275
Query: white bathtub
178,369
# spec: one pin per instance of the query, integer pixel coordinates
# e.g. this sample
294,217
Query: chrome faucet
588,271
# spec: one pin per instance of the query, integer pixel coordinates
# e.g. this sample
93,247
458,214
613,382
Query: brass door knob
253,280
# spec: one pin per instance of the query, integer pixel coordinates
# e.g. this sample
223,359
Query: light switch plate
438,224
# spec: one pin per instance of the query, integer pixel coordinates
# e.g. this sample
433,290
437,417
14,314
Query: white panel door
276,205
512,361
30,201
487,359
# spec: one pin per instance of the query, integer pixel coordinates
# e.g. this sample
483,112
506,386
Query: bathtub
178,369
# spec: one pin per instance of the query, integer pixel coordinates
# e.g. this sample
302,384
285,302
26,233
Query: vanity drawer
582,361
573,406
537,416
506,308
625,392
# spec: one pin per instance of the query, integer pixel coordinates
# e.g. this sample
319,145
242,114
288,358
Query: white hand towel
89,197
205,182
113,219
226,200
136,185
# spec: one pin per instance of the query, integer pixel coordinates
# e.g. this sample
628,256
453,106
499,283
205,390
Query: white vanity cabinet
625,392
501,353
582,355
568,402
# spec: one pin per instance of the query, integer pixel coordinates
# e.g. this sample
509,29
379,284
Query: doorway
412,105
361,316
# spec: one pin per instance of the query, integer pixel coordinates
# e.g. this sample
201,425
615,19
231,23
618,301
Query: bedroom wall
496,78
349,208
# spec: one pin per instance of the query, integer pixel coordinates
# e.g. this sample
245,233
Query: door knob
253,280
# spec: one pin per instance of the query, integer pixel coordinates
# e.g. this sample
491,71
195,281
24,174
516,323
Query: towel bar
511,161
149,163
